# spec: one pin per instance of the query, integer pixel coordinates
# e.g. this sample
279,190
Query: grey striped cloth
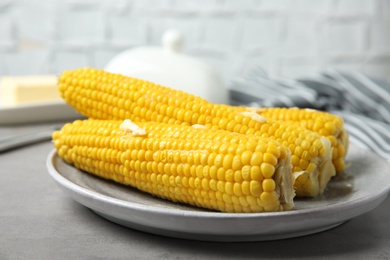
362,101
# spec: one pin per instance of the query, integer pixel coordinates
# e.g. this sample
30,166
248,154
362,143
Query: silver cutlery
17,141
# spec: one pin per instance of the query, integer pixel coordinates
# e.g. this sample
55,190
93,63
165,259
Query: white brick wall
285,37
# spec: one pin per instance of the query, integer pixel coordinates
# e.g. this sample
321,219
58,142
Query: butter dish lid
167,66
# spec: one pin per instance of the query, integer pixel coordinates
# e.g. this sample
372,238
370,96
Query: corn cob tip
313,181
285,181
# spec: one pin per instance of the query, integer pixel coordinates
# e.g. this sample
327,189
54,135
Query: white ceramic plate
363,187
38,112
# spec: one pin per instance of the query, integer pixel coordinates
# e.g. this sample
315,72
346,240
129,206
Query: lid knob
172,40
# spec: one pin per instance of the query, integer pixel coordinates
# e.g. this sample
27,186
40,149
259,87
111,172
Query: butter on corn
102,95
203,167
133,128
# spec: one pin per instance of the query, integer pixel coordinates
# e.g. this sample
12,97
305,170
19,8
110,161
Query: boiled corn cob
208,168
102,95
326,124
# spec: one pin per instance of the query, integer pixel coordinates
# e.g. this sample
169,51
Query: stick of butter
20,90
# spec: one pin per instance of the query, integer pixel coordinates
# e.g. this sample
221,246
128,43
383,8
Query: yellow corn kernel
156,162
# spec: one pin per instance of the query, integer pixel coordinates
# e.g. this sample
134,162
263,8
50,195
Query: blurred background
286,38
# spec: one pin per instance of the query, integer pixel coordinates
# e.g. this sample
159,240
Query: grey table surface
39,221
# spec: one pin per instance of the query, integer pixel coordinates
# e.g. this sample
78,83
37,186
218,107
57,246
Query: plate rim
352,207
48,103
33,113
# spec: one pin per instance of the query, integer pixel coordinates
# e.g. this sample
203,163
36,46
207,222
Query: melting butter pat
135,130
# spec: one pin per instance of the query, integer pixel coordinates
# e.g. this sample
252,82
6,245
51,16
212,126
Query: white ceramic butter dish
169,67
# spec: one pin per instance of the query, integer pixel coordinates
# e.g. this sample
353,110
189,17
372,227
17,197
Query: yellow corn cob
326,124
102,95
213,169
